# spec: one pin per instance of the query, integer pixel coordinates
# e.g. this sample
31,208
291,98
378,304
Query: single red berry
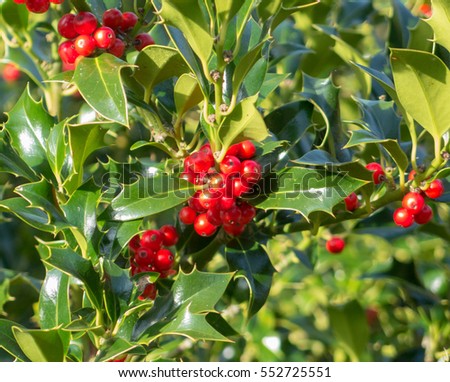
187,215
134,243
234,150
149,292
142,40
230,165
251,171
152,239
371,316
435,189
129,20
231,216
163,260
198,162
214,216
234,229
203,227
411,174
104,37
170,235
11,72
65,26
195,204
215,182
188,176
413,202
144,256
424,216
37,6
118,48
403,218
85,23
85,45
236,187
208,199
335,245
351,202
226,202
378,172
248,212
112,18
247,150
67,52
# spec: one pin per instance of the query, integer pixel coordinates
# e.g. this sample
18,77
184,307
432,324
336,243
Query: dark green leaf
58,152
318,158
251,261
117,235
40,345
54,303
187,94
8,342
12,163
118,347
15,15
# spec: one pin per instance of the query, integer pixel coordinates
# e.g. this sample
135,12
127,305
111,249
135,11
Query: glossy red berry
247,150
232,216
435,189
248,212
234,229
134,243
208,199
142,40
424,216
152,239
214,216
226,202
203,227
335,245
65,26
11,72
187,215
170,235
403,218
144,256
234,150
163,260
67,52
215,182
104,37
118,48
195,204
378,172
112,18
351,202
85,45
251,171
129,20
85,23
236,187
230,165
413,202
199,162
37,6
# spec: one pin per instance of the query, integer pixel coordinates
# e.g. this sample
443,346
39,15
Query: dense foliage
224,180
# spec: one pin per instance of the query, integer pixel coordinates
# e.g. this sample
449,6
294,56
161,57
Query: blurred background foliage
385,298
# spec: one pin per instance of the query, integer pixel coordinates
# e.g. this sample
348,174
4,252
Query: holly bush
224,180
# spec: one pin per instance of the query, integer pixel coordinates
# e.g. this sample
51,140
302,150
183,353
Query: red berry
134,243
170,235
251,171
215,182
424,216
234,229
56,1
247,150
187,215
195,204
248,212
435,189
208,199
378,172
236,187
232,216
149,292
403,218
226,202
230,165
163,260
129,20
118,48
199,162
411,174
413,202
351,202
142,40
67,52
203,227
188,176
234,150
104,37
214,216
85,23
335,245
85,45
11,72
65,26
37,6
144,256
112,18
152,239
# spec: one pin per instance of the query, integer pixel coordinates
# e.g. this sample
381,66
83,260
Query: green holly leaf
29,126
40,345
14,15
187,16
423,82
319,158
156,64
306,190
12,163
187,94
118,347
8,342
149,196
99,82
58,152
117,235
4,293
251,261
183,310
440,22
226,10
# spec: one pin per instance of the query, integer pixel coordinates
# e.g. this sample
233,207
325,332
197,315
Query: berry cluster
149,255
38,6
86,38
414,207
11,72
218,203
